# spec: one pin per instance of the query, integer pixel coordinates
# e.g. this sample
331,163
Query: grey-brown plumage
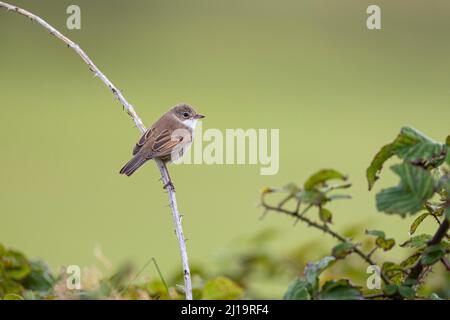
159,140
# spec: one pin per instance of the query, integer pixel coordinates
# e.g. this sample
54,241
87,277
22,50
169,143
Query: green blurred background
336,91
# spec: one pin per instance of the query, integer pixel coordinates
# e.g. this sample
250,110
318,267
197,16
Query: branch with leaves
316,192
139,124
424,187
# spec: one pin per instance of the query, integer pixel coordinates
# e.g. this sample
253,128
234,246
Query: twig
416,271
325,229
446,264
372,252
138,122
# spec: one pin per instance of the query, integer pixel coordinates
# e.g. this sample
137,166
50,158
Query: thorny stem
324,228
138,122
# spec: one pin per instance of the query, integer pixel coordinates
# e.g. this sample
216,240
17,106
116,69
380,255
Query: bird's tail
134,164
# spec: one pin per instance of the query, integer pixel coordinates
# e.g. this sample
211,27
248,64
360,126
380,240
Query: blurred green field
336,91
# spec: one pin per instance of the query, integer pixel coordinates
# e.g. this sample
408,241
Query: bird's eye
185,114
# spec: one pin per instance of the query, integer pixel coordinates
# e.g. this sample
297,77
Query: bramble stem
138,122
323,228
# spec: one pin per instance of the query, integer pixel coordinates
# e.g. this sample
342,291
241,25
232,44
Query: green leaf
434,296
376,233
393,271
16,265
381,241
417,241
342,250
432,254
325,215
417,222
445,185
411,260
407,292
312,197
410,282
340,290
313,270
297,290
222,288
410,145
40,277
416,186
322,176
12,296
427,153
390,289
385,244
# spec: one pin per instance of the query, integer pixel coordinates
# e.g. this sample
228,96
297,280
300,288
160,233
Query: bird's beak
199,116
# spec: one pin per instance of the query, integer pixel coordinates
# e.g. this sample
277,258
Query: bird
166,139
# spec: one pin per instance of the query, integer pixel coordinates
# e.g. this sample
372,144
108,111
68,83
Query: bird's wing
164,144
149,134
157,144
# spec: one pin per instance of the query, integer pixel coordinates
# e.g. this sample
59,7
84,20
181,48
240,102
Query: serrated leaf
407,292
417,222
376,233
313,270
428,153
411,260
325,215
393,271
416,186
385,244
340,290
410,145
221,288
342,250
322,176
297,290
432,254
417,241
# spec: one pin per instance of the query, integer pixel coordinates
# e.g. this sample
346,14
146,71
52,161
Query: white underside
191,123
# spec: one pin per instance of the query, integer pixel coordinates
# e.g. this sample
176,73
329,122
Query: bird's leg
169,183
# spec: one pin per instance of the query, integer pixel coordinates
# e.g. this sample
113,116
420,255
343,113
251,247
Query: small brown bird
166,139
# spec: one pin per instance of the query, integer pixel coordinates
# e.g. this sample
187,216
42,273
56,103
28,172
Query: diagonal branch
324,228
138,122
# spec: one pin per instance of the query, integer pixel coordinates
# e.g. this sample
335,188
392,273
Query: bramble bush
423,190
